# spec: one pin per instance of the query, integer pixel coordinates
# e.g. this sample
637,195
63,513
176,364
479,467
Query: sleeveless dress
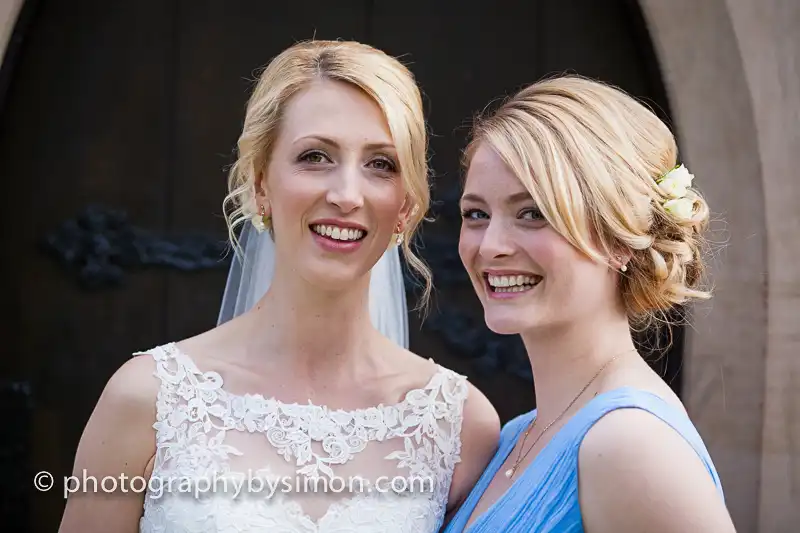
544,497
228,463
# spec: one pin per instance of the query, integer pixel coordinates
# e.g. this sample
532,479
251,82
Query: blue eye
474,214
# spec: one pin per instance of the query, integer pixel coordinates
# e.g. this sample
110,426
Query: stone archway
731,75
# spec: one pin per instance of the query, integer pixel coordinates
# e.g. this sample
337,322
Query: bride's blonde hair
590,156
384,79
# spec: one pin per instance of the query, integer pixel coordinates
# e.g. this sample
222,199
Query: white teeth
337,233
512,289
517,282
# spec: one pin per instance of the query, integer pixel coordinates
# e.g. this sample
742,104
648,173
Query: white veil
250,277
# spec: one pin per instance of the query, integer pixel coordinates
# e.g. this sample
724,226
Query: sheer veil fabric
250,276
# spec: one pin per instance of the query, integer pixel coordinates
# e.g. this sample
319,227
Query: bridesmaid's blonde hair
591,157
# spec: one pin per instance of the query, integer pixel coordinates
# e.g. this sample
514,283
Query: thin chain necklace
513,470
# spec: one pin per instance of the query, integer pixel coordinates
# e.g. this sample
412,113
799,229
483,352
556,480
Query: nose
345,189
496,241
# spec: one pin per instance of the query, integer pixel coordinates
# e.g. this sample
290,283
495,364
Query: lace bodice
228,463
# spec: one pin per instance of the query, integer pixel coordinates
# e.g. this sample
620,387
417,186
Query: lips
338,236
338,233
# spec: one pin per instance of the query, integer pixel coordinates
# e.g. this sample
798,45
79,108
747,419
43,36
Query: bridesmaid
579,225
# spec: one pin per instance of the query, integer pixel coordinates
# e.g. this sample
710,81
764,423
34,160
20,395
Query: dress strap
632,398
438,411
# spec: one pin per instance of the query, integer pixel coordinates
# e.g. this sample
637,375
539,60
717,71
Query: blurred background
119,118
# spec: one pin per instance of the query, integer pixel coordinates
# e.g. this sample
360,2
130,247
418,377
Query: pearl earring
261,221
398,235
624,268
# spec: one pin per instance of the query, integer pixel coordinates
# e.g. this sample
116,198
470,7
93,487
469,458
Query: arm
480,433
118,440
637,474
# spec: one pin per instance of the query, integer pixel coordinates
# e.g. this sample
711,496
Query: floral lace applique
194,414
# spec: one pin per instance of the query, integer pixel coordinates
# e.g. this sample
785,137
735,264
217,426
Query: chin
328,275
334,269
505,322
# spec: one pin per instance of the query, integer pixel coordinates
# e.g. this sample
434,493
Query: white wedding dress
229,463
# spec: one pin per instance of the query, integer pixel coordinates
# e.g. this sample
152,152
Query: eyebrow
513,199
331,142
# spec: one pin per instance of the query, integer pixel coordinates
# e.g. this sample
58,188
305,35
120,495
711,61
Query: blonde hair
590,155
384,79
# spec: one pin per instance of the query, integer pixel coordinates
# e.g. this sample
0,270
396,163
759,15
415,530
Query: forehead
490,177
337,110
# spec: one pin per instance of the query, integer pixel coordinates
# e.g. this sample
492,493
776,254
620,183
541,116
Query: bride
302,411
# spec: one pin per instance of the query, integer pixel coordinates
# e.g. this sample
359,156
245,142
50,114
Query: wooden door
466,55
119,119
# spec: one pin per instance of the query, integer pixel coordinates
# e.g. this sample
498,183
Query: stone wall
731,70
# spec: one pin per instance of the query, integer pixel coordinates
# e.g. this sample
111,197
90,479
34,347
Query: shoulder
480,429
631,455
480,434
118,440
134,385
127,404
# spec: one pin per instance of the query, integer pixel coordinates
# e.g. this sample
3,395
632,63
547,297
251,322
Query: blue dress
544,497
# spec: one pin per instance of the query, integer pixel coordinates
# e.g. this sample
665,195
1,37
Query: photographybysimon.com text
232,485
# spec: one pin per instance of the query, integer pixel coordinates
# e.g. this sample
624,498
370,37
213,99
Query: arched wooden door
118,120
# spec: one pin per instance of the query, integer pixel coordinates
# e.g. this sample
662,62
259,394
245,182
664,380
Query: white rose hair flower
682,208
675,185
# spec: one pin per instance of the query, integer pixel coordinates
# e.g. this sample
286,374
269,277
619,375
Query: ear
261,196
406,212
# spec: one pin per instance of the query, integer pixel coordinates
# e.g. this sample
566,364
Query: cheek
558,261
469,242
386,199
290,193
577,279
544,248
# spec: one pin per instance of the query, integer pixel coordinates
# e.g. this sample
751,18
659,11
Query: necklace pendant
510,472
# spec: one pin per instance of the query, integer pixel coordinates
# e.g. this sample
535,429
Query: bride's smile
333,186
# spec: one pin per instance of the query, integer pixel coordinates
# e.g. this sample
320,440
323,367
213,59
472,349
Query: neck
564,359
312,331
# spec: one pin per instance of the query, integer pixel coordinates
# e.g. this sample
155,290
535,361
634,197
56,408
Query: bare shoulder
480,418
126,408
631,455
118,440
480,434
134,384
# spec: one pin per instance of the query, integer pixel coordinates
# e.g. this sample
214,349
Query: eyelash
304,157
392,166
537,215
467,213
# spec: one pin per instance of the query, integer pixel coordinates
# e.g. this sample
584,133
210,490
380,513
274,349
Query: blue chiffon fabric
544,497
